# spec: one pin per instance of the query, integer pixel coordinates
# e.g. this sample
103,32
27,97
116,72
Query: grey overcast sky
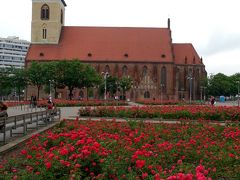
212,26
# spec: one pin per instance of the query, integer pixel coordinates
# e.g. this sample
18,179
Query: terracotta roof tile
186,51
107,44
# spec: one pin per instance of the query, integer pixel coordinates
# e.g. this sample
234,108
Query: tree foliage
36,75
19,80
221,84
60,74
111,85
5,84
125,83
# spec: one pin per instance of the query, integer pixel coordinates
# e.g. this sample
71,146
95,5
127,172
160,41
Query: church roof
186,52
118,44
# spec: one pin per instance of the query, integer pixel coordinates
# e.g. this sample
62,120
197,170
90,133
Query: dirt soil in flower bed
128,150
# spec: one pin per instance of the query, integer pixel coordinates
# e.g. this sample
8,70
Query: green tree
5,84
91,78
36,75
18,80
111,86
125,84
71,74
52,76
219,84
235,79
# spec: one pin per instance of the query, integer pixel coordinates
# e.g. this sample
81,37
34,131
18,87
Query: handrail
41,118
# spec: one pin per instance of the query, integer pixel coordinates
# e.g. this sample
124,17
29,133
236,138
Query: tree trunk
87,94
38,89
19,91
55,92
70,93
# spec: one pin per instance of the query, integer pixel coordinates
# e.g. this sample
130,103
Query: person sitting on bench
3,113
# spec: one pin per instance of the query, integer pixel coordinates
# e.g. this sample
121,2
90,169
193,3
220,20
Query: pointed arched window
124,71
61,16
45,12
107,68
164,77
44,33
146,94
145,72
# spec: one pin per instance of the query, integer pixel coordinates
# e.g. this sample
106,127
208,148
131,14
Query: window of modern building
45,12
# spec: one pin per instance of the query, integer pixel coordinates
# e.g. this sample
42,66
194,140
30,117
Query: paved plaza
66,113
72,112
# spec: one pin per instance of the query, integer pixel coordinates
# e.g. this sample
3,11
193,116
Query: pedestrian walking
212,100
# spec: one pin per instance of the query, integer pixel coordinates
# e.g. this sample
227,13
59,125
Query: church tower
47,20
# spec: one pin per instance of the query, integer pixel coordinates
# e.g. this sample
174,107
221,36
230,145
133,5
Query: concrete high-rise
13,52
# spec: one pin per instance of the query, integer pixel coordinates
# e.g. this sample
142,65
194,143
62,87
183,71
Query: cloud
225,62
221,42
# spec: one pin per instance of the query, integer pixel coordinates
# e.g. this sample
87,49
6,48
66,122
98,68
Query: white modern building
13,51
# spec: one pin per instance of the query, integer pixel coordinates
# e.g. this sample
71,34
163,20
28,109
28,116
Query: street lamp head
105,73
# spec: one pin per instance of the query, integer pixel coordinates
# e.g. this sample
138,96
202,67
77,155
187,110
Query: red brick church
157,66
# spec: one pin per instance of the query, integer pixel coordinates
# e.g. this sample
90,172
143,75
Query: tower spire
169,23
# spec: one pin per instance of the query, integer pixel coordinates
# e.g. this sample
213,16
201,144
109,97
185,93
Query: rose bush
216,113
128,150
166,102
64,103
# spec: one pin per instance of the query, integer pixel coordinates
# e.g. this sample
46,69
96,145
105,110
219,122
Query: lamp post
238,82
135,92
204,94
50,87
105,75
190,78
201,93
182,94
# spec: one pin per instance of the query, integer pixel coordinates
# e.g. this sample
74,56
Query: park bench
34,120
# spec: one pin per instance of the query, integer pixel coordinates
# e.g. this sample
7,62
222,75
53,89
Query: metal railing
13,124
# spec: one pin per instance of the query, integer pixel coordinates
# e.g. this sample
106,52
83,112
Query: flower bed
159,102
167,102
128,150
63,103
218,113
